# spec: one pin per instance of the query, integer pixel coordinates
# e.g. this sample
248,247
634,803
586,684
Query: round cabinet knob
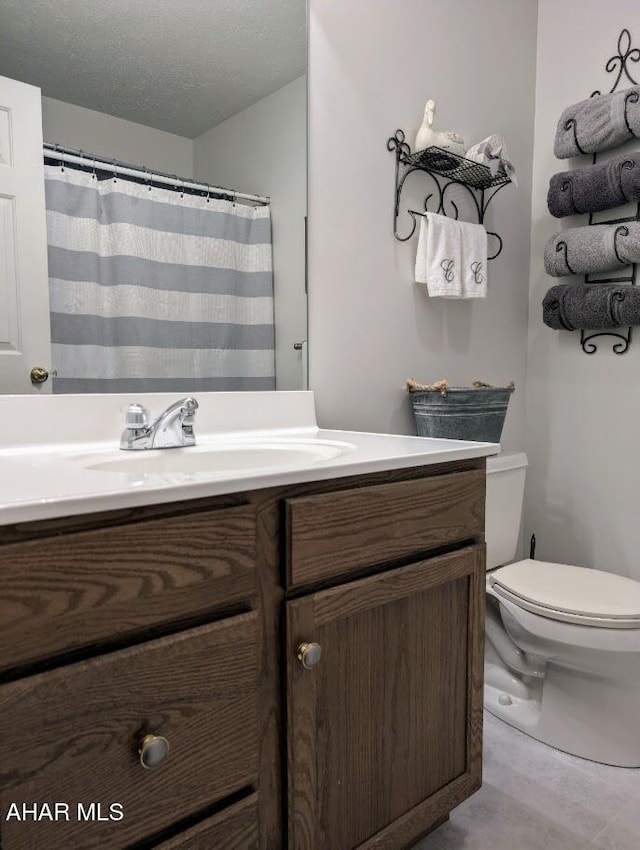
153,750
309,655
38,375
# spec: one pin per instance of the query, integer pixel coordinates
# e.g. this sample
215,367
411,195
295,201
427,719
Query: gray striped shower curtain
154,292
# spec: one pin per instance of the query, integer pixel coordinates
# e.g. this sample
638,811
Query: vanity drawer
61,593
236,828
72,735
332,534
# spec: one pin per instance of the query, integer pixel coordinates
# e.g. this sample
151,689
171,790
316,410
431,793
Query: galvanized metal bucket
461,413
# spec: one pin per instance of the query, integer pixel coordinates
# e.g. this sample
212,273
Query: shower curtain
154,292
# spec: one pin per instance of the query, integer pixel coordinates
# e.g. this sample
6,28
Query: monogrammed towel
439,256
474,260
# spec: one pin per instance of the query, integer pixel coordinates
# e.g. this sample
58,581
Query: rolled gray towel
598,123
599,248
596,187
591,306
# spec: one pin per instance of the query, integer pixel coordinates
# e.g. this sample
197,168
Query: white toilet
562,656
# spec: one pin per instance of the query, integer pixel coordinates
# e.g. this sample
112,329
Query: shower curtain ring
114,169
93,170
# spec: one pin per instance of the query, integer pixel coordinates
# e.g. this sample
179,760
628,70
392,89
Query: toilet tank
505,493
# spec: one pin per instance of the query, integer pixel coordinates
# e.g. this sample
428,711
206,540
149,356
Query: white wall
373,63
88,130
582,485
262,150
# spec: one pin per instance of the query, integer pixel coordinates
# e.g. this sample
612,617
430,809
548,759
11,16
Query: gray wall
373,63
583,410
80,128
262,150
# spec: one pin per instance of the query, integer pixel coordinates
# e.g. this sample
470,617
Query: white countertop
50,444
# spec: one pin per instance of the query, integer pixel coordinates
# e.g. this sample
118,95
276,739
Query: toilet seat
570,594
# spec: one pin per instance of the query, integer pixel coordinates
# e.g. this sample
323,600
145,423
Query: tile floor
537,798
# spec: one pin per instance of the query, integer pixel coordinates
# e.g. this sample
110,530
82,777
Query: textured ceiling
177,65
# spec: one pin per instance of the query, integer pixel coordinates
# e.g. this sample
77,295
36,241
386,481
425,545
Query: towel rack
446,169
620,63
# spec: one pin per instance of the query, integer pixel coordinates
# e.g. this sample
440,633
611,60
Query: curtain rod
78,157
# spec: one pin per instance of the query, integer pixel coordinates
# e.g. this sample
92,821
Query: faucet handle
136,416
188,410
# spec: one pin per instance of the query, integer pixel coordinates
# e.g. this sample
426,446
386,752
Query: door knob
309,655
38,375
153,751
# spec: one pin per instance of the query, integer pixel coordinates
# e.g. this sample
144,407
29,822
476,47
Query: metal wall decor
446,169
620,63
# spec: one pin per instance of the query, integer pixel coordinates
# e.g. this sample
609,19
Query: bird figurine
427,137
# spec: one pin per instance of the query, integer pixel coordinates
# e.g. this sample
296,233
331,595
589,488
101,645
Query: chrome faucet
172,429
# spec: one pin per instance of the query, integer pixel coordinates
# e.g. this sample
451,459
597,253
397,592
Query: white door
25,337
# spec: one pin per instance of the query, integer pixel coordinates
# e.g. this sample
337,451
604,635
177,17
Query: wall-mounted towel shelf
446,169
620,63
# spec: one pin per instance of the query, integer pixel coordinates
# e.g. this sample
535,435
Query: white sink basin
211,459
59,454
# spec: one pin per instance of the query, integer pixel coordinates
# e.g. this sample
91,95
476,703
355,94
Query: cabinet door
385,731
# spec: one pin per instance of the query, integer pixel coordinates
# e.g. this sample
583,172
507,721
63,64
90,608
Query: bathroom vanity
294,660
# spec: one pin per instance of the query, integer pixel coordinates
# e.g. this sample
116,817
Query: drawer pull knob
309,655
153,750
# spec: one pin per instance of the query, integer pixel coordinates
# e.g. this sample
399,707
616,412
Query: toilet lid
572,594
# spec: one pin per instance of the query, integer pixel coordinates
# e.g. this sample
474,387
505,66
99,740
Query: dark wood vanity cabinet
384,726
312,654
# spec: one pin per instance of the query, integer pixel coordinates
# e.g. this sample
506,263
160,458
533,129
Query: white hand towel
474,260
439,257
